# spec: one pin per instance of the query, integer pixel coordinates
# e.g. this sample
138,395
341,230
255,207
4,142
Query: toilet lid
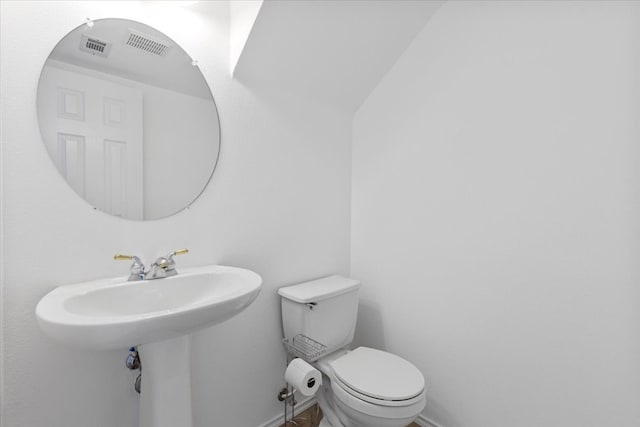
378,374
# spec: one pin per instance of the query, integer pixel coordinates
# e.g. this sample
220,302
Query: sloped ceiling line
332,51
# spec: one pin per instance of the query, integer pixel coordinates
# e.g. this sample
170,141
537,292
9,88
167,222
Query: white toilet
360,388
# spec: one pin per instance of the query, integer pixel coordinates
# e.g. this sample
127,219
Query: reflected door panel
70,160
96,136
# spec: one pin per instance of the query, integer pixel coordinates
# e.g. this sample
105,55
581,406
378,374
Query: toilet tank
324,310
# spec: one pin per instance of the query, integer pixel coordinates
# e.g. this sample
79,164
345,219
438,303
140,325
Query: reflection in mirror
128,119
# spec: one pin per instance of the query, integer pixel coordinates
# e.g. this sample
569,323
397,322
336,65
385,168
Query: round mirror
128,119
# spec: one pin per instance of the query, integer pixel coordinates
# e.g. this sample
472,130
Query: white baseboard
278,420
426,422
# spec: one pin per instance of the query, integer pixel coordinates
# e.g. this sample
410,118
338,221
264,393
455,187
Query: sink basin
158,317
115,313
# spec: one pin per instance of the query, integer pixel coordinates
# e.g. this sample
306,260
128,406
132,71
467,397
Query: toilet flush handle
311,305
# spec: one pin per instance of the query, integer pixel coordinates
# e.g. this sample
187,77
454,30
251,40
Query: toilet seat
406,410
378,377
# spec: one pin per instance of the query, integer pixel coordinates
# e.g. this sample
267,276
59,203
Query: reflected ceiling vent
148,44
94,46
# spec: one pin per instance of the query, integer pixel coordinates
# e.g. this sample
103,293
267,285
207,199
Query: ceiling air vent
148,44
94,46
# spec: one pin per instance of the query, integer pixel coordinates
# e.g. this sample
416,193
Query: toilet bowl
370,388
364,387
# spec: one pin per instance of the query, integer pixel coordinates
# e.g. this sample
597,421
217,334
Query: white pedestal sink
155,315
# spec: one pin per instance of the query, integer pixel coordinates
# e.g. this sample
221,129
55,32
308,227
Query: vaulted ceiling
333,51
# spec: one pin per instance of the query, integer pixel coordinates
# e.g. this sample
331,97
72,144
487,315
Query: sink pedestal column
165,394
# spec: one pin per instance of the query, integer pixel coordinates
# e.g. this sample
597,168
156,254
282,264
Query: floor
311,418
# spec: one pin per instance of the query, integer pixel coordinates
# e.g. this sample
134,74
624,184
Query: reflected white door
93,128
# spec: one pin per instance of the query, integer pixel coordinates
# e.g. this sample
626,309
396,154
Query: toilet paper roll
303,377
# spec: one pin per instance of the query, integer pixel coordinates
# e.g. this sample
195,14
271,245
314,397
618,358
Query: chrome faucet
164,266
161,267
136,269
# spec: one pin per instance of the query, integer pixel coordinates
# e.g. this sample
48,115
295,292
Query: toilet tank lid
320,289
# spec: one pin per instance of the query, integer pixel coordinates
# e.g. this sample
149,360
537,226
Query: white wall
495,214
278,204
242,15
180,144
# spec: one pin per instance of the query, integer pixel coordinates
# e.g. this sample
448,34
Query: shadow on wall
436,412
369,329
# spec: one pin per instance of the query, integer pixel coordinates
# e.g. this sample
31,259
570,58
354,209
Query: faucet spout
165,266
